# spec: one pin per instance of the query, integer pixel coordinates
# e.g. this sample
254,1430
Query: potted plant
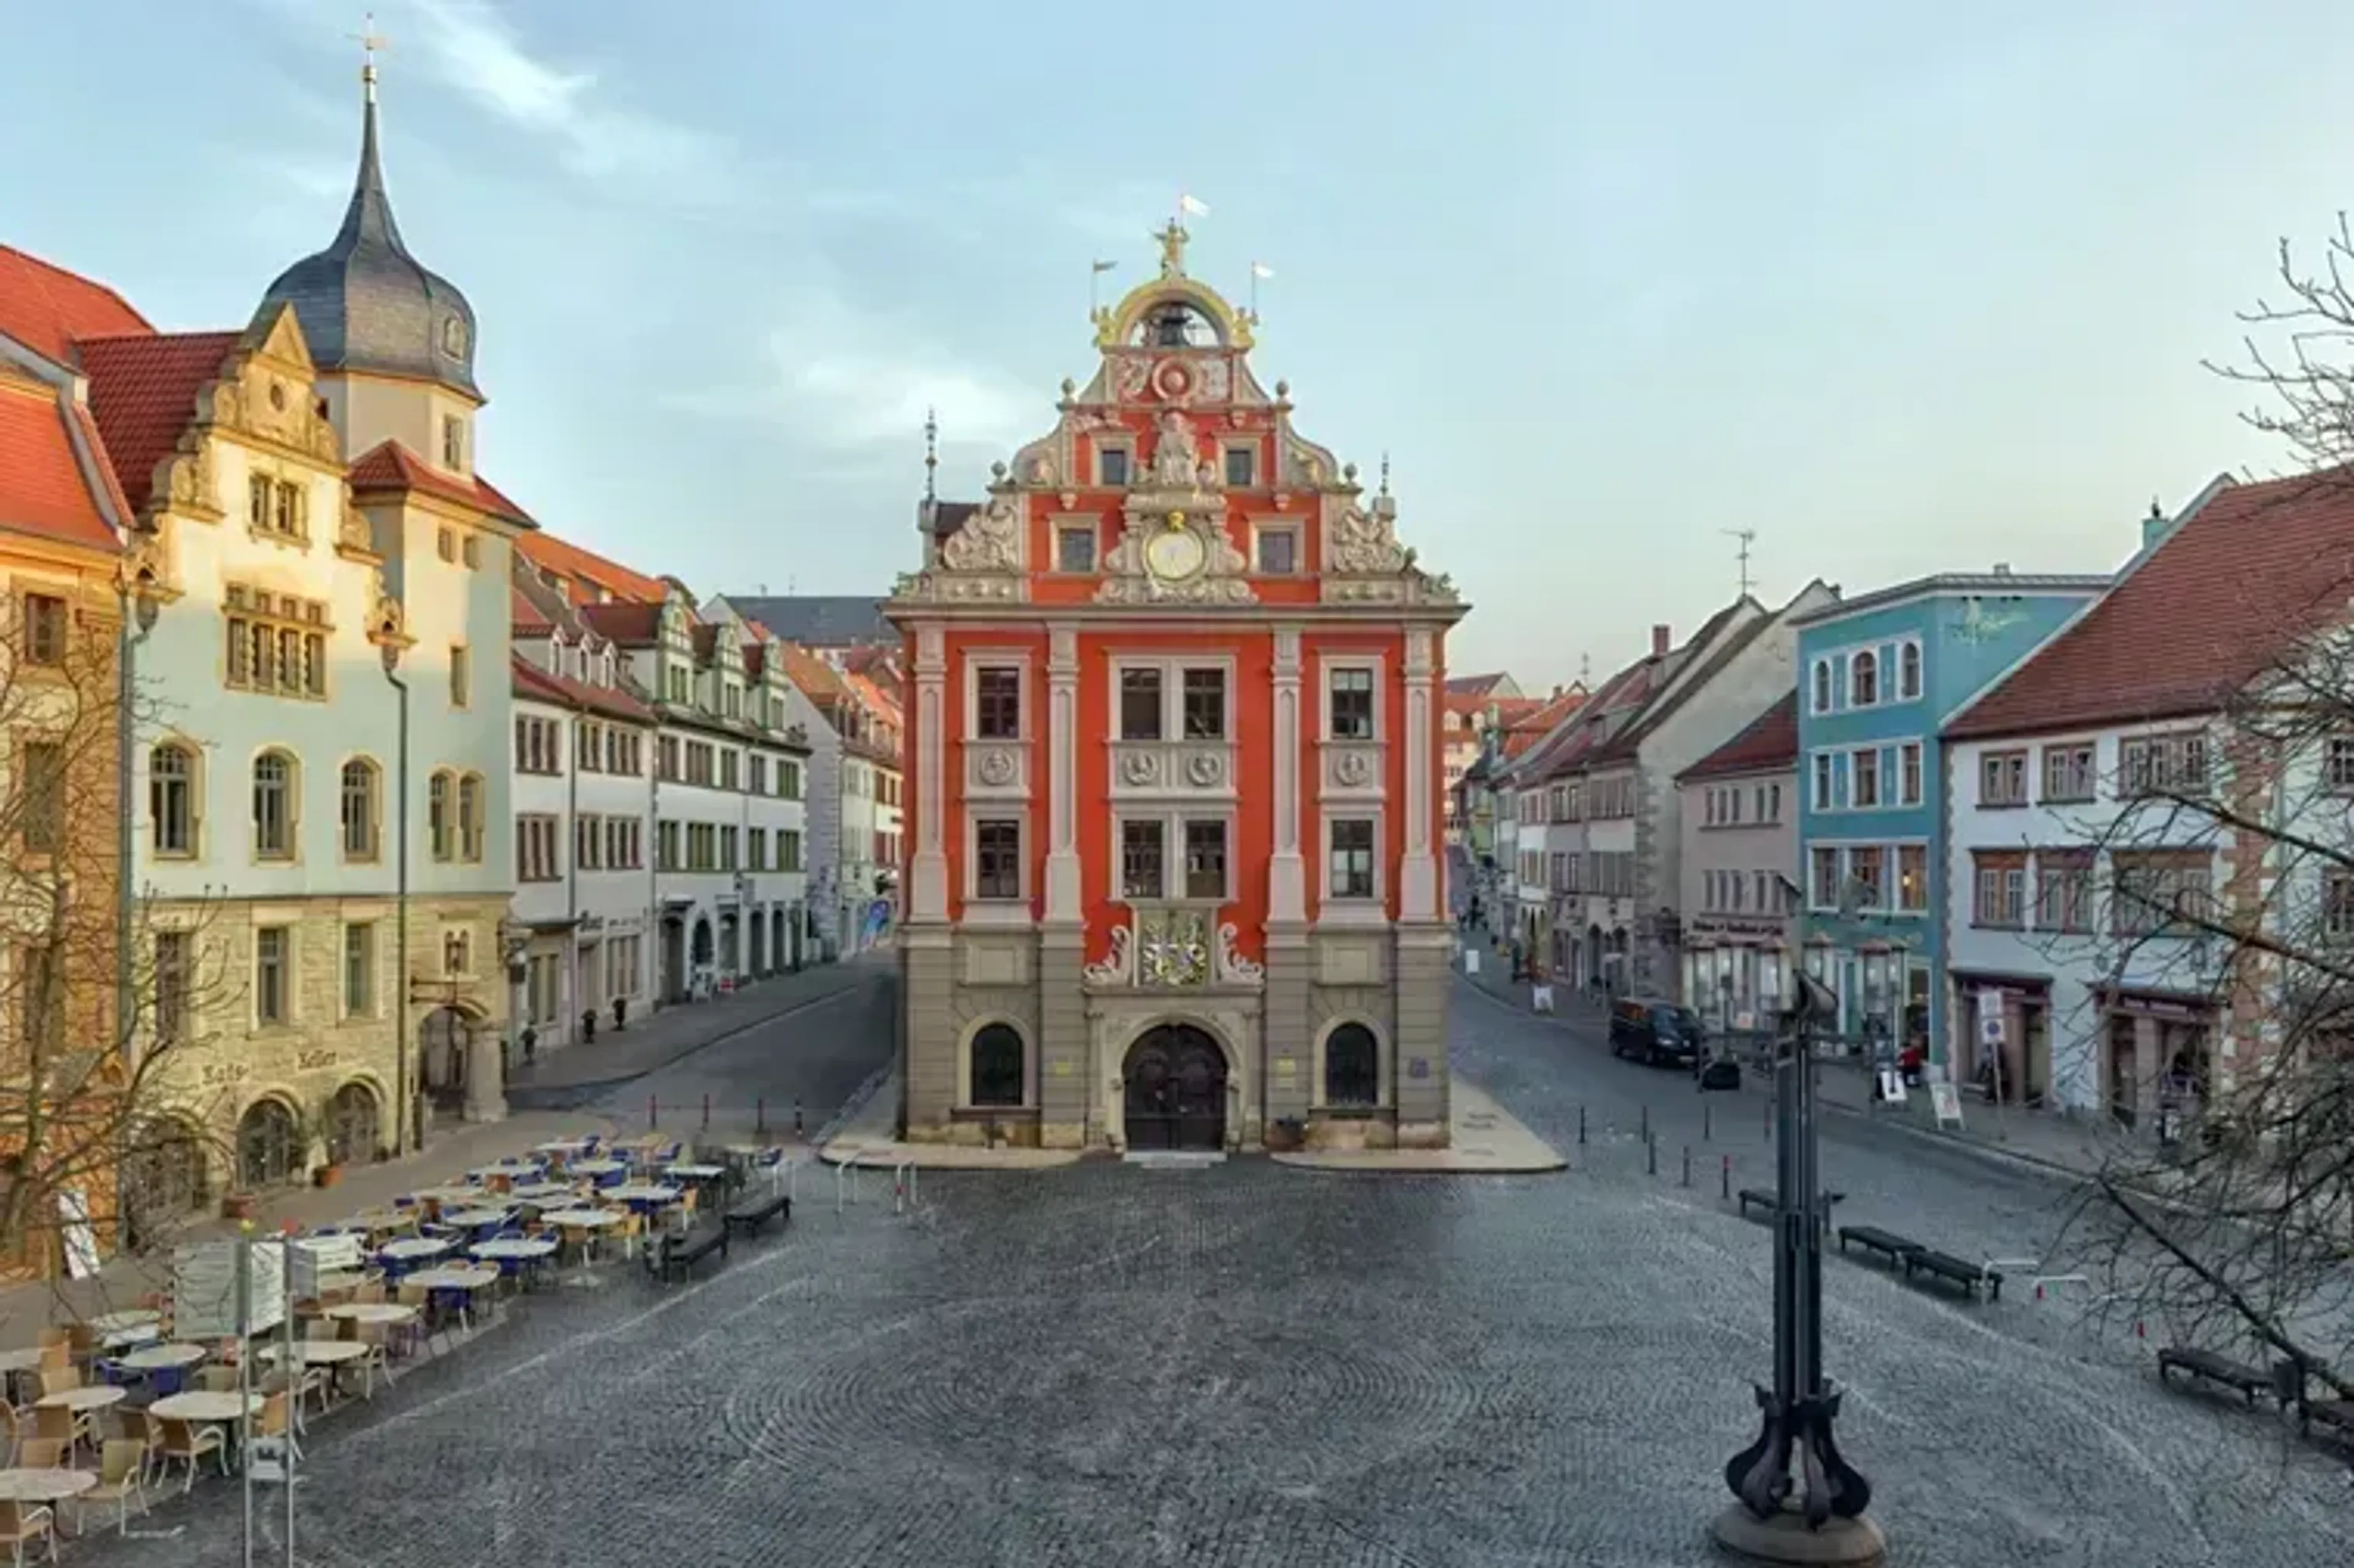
309,1136
240,1205
1288,1134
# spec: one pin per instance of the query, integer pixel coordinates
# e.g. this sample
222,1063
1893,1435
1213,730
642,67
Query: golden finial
370,41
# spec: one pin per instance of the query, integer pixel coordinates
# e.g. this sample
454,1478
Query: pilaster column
1287,892
1063,898
927,891
1418,874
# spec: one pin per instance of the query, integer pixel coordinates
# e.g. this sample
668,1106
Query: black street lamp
389,647
1799,1500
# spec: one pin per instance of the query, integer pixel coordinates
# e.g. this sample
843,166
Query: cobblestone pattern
1255,1366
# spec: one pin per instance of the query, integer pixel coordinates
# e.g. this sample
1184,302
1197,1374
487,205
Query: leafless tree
96,1126
2305,376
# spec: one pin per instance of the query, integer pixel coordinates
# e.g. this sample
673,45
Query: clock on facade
1174,554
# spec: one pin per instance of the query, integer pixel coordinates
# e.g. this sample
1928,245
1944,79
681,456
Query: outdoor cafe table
581,1219
459,1277
320,1352
698,1173
562,1145
130,1318
373,1312
635,1192
475,1219
539,1192
598,1167
132,1334
521,1248
524,1170
451,1195
413,1249
163,1357
205,1404
51,1484
26,1359
80,1401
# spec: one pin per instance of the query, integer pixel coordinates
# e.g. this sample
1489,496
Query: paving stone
1243,1364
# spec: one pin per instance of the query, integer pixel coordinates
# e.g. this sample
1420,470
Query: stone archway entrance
1175,1089
443,1041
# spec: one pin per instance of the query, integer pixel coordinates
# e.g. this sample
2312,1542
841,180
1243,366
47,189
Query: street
1254,1365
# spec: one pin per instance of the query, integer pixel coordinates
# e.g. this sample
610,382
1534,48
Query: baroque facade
1174,795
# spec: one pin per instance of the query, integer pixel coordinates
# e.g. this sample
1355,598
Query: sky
1902,287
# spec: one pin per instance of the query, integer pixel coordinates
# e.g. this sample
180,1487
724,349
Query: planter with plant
1288,1134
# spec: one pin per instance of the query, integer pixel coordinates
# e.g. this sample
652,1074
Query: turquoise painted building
1878,676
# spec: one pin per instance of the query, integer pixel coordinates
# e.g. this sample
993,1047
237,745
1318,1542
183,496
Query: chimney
2002,569
2154,526
1557,692
1660,635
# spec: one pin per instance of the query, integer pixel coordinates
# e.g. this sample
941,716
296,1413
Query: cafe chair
186,1442
20,1526
121,1479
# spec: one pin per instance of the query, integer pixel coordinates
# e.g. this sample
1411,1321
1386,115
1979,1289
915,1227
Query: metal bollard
1686,1181
1725,1179
1651,1156
1581,1124
797,1118
1647,1118
653,1113
706,1113
1707,1122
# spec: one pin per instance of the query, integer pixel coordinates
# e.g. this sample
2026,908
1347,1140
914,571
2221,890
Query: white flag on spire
1261,271
1192,207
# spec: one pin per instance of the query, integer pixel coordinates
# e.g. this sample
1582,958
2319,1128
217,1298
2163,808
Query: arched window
353,1125
1862,678
171,798
439,807
164,1175
274,800
470,817
1908,672
997,1066
1822,685
268,1150
360,796
1352,1066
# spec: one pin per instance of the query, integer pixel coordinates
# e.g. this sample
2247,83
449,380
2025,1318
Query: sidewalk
1486,1141
2074,1148
25,1309
655,1042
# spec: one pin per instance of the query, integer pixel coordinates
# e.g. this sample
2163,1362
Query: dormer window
454,337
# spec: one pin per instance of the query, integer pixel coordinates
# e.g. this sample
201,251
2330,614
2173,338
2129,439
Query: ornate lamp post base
1787,1538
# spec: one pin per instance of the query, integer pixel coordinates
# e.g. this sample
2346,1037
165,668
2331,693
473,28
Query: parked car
1657,1033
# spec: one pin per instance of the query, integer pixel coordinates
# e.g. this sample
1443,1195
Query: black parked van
1656,1031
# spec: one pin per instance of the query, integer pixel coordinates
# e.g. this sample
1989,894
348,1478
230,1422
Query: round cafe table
320,1352
205,1404
581,1219
521,1248
163,1357
475,1219
539,1192
413,1249
460,1277
642,1192
446,1196
372,1312
80,1401
598,1167
52,1484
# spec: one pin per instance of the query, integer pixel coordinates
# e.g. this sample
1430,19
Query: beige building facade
1740,831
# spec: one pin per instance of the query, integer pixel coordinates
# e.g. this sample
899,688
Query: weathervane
931,455
370,42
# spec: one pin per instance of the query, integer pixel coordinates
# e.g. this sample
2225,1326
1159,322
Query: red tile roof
143,390
626,623
389,466
1770,741
2225,594
1569,748
582,570
44,489
527,618
1475,685
48,309
813,674
541,685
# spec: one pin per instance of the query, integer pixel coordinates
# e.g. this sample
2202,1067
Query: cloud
473,50
842,379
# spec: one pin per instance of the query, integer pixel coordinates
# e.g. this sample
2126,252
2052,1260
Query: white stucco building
1739,806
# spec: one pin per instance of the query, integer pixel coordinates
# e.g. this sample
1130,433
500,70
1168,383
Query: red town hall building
1173,804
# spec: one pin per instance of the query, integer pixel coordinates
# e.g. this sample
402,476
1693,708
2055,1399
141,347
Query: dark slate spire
365,303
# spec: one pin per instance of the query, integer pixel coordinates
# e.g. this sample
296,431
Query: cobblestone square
1248,1364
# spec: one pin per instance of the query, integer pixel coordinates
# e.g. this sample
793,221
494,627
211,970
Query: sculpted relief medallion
996,767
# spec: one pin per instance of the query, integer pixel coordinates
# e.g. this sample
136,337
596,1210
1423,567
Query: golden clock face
1174,554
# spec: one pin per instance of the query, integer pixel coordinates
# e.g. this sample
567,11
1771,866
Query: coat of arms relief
1174,950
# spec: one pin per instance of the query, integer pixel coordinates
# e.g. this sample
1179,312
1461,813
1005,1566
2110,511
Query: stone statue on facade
1173,459
990,540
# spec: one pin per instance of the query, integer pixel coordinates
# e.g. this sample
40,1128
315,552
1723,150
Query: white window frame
1257,447
1173,819
1332,909
979,911
1172,668
1016,659
1878,686
1879,780
1260,529
375,928
1111,443
1822,781
291,965
1821,697
1911,646
1330,666
1912,782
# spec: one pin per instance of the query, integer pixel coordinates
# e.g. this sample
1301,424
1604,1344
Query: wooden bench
2252,1382
1945,1266
675,1255
1888,1244
1771,1202
754,1210
2338,1415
